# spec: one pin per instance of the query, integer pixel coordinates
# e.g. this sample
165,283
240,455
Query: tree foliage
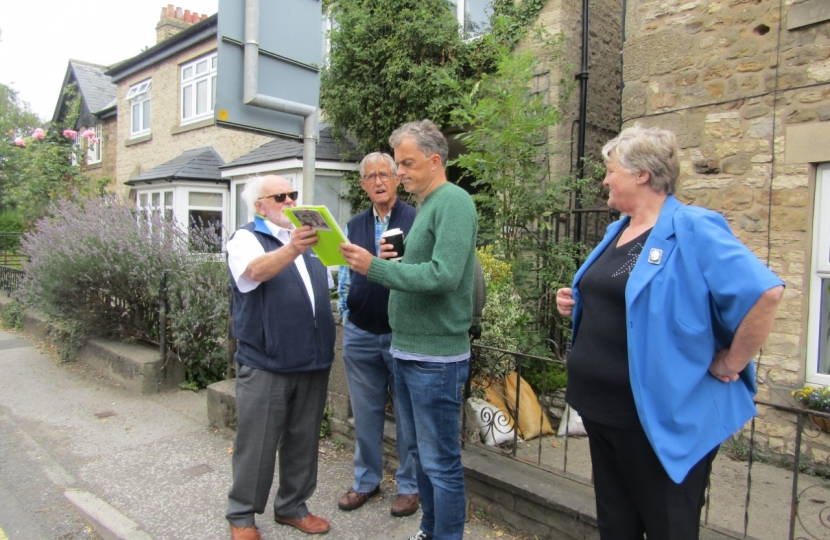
385,65
389,60
506,157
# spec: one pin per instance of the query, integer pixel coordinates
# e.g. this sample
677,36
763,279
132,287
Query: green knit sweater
431,298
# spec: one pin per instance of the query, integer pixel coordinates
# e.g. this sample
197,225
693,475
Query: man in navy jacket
367,338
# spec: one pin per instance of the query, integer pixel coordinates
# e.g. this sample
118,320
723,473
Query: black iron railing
585,227
11,262
10,279
734,502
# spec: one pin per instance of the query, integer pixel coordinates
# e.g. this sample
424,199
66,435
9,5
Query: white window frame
146,208
140,98
94,151
76,149
177,208
460,11
328,25
190,81
819,270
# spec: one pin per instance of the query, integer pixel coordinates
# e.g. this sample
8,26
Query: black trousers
634,494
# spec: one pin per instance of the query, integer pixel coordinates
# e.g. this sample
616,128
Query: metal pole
163,316
251,96
582,76
229,369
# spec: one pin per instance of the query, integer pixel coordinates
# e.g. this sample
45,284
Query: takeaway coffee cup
394,237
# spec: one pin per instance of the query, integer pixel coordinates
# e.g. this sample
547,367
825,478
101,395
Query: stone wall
167,140
604,66
730,83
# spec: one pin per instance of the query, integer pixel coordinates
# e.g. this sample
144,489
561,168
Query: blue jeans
369,372
429,397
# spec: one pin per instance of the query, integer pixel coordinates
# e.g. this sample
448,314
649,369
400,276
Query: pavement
141,467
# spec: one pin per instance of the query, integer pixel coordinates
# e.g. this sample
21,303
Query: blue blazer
690,289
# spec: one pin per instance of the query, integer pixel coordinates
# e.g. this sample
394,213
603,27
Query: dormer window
139,98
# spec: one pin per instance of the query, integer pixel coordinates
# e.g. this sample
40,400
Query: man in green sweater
430,312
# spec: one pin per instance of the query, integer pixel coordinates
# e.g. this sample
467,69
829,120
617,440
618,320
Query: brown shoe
354,499
245,533
310,524
405,505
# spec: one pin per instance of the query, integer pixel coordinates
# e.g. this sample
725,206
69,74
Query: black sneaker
420,535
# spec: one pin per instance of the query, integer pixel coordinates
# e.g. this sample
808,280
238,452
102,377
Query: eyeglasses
373,177
280,197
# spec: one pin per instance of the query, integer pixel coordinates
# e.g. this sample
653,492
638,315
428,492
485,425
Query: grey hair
653,150
428,138
378,157
252,192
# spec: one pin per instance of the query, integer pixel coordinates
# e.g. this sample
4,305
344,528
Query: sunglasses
280,197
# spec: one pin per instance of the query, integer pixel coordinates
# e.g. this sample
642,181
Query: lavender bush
95,265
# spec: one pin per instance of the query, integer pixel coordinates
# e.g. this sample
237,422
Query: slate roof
285,148
96,88
197,164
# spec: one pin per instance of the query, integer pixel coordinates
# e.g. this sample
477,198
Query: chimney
173,20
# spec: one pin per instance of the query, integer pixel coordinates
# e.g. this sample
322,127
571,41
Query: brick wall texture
164,145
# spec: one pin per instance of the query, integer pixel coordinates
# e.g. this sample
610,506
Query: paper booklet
329,232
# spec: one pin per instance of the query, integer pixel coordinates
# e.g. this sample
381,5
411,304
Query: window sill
96,165
138,140
207,122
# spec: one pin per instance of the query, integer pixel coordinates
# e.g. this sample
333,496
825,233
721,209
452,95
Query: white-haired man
366,341
285,333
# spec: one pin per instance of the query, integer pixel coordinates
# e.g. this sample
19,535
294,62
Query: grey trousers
276,412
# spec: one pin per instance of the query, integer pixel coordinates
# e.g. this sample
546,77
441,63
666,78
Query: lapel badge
655,256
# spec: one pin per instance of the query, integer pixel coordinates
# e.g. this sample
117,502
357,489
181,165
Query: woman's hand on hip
565,301
720,367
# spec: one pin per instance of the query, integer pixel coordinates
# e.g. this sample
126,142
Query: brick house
165,110
169,148
97,113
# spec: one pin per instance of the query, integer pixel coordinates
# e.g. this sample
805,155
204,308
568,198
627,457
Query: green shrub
11,228
507,325
11,316
95,264
11,222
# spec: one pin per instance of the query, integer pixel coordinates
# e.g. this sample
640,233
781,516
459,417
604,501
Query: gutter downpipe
251,96
582,77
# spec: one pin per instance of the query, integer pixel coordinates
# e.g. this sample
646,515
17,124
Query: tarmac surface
141,467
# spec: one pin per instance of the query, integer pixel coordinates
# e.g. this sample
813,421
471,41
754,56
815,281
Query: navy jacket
274,324
368,302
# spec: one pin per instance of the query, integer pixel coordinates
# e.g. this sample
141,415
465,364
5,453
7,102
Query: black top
599,387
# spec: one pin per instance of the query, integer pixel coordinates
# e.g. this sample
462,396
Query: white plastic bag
494,428
573,422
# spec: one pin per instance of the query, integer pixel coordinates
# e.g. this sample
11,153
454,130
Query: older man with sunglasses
285,332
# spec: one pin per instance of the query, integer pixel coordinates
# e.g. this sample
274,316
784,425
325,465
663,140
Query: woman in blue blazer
668,312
